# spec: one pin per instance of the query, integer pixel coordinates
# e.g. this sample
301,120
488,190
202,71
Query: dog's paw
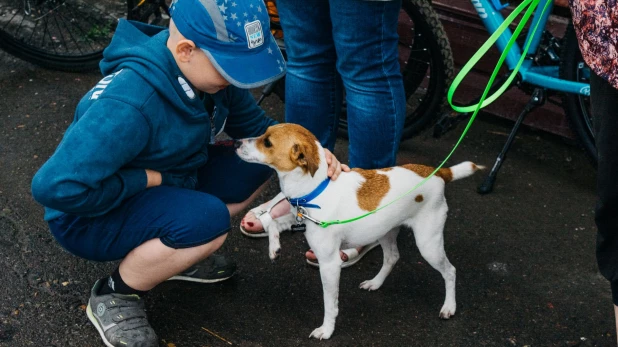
274,254
322,333
274,246
447,311
370,285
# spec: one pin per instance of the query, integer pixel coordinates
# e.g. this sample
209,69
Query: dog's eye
267,143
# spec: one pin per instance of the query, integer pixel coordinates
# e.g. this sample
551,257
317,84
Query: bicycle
551,66
67,35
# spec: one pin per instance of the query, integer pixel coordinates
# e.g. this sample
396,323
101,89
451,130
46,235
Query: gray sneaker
120,319
215,268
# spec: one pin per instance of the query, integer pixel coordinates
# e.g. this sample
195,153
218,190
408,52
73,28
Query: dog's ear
305,157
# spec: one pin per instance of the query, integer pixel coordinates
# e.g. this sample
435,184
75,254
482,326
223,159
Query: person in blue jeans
336,49
138,175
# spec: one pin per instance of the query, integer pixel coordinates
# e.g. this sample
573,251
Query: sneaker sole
94,322
198,280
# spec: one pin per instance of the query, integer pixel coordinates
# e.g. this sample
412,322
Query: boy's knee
207,223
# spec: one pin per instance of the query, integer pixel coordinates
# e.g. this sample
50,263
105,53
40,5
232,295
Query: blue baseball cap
235,35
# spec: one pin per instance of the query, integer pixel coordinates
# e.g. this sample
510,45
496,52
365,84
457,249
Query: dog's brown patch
373,190
422,170
419,198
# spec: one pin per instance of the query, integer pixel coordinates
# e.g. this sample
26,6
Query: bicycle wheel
67,35
576,106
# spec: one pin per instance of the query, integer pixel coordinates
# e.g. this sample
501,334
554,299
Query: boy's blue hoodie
143,115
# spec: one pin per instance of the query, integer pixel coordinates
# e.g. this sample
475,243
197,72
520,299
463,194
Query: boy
136,176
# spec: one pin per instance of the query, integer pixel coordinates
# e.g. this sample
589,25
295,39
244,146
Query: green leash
531,5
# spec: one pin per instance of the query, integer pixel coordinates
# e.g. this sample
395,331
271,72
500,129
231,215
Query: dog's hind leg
391,256
428,231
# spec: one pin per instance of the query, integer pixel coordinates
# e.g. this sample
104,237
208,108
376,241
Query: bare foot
252,224
344,257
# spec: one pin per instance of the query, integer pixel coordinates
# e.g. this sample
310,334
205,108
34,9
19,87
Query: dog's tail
459,171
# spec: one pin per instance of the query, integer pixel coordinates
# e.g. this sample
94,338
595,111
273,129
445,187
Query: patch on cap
255,36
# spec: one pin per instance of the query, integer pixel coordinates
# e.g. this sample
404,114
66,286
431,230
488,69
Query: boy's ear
184,50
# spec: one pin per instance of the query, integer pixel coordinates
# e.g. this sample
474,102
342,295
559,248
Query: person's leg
604,101
234,181
366,40
158,233
365,36
313,90
237,183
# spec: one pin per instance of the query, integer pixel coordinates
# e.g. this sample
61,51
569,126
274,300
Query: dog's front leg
274,229
330,271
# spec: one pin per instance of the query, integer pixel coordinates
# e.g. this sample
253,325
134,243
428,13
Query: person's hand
334,166
154,178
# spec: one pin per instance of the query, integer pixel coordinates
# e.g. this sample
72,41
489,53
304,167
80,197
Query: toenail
250,224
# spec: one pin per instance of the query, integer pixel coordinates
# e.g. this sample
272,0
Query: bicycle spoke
49,34
66,47
83,33
73,37
10,20
33,31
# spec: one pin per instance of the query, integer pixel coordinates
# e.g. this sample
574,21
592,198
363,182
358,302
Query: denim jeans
349,45
604,102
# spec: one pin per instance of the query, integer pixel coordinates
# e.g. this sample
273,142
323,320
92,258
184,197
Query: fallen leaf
64,284
82,307
550,306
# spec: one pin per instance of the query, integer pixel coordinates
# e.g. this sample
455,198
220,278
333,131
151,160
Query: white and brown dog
300,163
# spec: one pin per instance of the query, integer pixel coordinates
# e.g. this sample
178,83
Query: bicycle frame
542,76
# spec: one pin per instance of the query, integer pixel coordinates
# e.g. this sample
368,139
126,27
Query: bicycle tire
65,35
441,68
577,107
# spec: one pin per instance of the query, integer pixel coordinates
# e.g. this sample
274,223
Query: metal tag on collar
301,214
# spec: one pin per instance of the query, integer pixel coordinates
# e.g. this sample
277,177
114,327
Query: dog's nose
237,143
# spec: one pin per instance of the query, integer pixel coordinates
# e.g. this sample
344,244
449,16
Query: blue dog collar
303,201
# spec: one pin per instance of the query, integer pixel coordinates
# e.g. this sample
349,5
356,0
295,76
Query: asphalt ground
526,271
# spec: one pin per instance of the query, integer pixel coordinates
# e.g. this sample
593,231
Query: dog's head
284,147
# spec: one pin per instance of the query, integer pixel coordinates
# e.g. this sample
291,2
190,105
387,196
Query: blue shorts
180,218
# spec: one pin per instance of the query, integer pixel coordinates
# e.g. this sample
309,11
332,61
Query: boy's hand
154,178
334,166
